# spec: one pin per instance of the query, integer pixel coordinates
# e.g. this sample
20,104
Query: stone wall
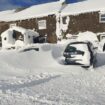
85,22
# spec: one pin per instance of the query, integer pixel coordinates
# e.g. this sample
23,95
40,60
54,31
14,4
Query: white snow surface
88,36
84,36
29,77
11,42
101,44
6,13
83,7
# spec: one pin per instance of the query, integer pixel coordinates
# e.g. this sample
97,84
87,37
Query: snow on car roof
79,45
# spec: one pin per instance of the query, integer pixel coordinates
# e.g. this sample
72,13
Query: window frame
102,16
42,24
12,25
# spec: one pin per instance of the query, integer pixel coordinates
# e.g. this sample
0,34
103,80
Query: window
102,18
42,24
64,20
12,25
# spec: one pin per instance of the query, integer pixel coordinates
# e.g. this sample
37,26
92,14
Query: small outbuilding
18,36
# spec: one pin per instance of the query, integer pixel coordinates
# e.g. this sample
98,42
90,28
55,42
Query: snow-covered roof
34,11
83,7
6,13
53,8
20,29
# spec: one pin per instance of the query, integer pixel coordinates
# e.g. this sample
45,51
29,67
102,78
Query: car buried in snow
80,53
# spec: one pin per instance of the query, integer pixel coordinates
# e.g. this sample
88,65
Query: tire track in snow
26,82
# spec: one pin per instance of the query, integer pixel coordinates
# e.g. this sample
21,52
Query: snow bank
88,36
21,62
37,78
19,43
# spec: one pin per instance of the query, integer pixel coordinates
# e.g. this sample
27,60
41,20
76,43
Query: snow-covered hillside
30,77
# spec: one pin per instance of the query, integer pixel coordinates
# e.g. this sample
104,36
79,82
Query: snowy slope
39,78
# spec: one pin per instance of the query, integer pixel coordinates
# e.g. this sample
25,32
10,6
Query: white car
79,53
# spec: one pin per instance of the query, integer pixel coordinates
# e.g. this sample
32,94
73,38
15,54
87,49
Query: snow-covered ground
30,77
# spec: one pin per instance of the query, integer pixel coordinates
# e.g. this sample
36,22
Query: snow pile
19,43
88,36
69,36
25,62
8,39
27,77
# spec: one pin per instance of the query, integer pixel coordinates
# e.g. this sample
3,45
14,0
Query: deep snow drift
30,77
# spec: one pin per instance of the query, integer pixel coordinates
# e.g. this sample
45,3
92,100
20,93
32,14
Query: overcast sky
10,4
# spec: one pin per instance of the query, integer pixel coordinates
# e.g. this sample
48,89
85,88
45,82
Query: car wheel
66,61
